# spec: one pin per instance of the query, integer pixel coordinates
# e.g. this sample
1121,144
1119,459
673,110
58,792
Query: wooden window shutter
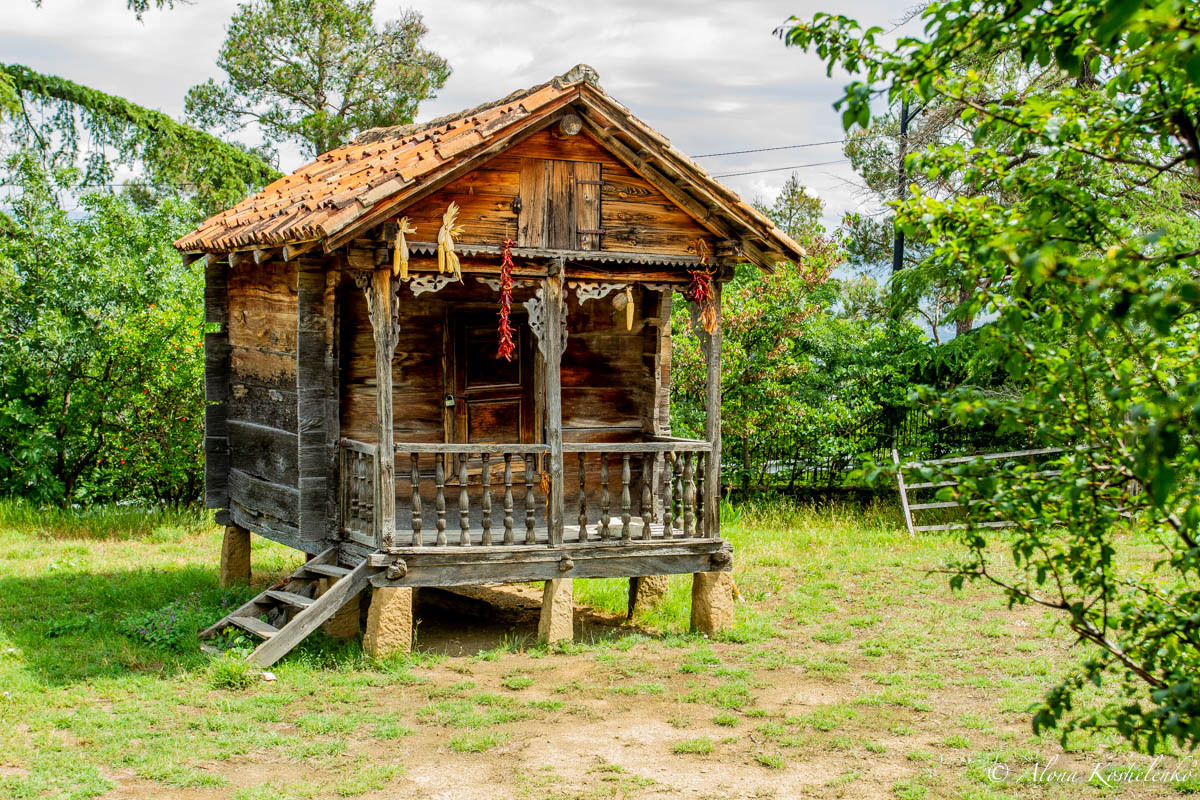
560,204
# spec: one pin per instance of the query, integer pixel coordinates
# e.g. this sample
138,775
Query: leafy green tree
1079,225
82,136
805,356
101,367
317,71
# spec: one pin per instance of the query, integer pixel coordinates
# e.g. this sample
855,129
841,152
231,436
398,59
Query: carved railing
491,493
358,465
495,495
659,493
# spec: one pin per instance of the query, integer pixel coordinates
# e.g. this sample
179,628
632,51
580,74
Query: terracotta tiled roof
343,187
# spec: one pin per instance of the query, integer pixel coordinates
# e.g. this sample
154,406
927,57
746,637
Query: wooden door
493,398
560,204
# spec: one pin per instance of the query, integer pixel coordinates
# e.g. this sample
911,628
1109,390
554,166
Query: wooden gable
566,193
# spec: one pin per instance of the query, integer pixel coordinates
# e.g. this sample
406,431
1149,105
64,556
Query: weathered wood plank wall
635,216
265,465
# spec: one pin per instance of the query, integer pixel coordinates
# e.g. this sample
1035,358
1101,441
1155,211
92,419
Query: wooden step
291,598
328,570
255,625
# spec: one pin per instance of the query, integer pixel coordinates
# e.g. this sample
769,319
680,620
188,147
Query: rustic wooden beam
313,364
465,566
712,422
265,254
293,251
553,332
216,386
569,125
385,335
240,258
332,400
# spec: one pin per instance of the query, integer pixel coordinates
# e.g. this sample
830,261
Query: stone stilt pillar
389,622
712,602
235,556
344,624
556,623
645,592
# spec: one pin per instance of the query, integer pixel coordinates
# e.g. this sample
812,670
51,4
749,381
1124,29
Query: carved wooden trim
593,290
430,283
537,319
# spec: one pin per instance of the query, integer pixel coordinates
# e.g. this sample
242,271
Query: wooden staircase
291,608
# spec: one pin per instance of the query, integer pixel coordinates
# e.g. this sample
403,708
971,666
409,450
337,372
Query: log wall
264,469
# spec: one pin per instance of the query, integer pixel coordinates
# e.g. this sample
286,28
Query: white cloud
710,76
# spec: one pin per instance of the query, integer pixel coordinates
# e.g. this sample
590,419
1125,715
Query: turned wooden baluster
668,495
678,491
508,499
530,502
583,531
699,495
352,487
464,503
439,499
647,500
626,533
605,501
486,480
689,495
416,499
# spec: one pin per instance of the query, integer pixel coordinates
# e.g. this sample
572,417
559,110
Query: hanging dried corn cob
447,258
505,331
400,259
624,302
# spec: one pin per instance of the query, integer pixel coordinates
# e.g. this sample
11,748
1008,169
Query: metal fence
827,459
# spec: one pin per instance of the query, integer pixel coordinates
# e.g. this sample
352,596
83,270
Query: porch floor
454,564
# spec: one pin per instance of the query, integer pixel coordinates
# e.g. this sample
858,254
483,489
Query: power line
781,169
769,149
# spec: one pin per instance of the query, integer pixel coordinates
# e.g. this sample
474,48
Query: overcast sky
709,76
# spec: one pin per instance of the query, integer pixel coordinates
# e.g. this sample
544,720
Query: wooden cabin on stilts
441,357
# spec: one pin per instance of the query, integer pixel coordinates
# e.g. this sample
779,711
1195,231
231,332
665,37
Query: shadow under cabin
368,406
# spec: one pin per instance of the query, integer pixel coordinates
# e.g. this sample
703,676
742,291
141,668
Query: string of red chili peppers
505,331
700,290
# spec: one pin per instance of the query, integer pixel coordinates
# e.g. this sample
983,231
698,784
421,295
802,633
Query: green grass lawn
852,672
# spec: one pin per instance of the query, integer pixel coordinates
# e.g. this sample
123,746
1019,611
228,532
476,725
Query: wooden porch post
553,330
712,423
712,592
385,332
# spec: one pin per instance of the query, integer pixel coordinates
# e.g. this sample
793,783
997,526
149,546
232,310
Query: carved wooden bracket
587,290
536,306
430,283
364,280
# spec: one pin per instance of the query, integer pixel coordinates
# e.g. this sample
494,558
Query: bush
101,353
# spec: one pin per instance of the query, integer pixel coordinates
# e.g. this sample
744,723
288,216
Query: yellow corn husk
400,258
629,307
445,239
